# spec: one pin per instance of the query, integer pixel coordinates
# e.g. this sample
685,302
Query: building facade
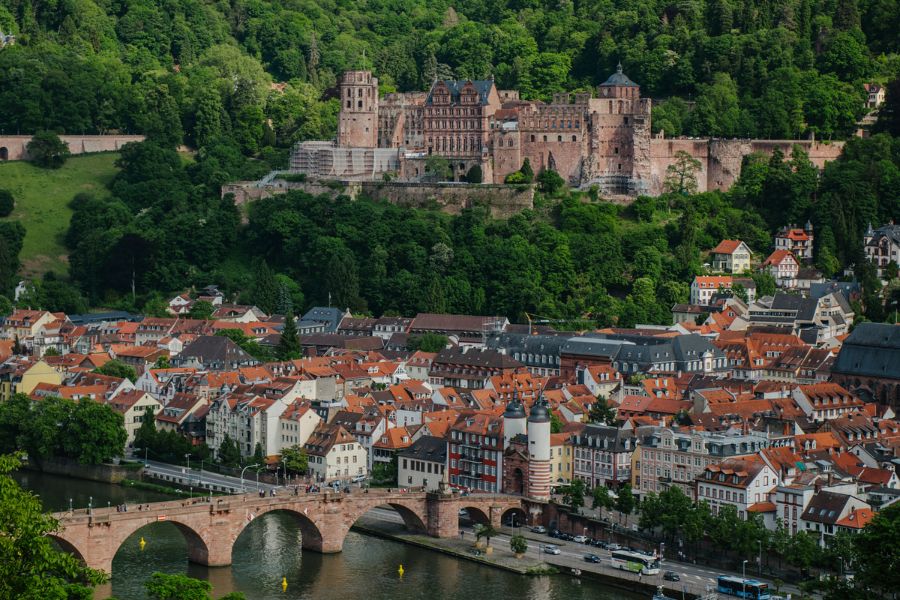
597,138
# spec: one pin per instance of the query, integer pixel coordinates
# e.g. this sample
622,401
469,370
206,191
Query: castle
603,140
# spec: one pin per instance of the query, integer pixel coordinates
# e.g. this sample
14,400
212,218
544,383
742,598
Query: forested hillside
193,71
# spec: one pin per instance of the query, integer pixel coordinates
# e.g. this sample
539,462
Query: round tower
539,451
358,118
514,422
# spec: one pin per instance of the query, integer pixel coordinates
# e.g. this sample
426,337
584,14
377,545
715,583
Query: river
269,549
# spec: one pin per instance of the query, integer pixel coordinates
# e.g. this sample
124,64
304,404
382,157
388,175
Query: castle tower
358,119
539,451
514,422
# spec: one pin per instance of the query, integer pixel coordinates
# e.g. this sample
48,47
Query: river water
269,549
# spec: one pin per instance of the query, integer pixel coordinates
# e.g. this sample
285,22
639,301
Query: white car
539,529
550,549
580,539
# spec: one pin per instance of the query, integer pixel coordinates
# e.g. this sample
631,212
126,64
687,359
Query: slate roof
482,86
211,349
428,448
872,350
619,78
325,314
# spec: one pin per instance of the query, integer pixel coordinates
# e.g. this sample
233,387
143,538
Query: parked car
539,529
671,576
600,544
580,539
550,549
554,533
359,478
592,558
614,547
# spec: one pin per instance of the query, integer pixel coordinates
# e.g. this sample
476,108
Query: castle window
359,92
574,138
545,138
359,104
532,137
349,103
559,138
620,166
509,143
626,120
616,150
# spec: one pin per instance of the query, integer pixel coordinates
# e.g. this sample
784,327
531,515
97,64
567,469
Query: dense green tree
573,494
601,498
162,586
289,344
601,412
201,309
31,567
427,342
625,502
229,454
48,151
295,459
877,554
265,288
7,203
681,175
474,174
116,368
438,167
95,433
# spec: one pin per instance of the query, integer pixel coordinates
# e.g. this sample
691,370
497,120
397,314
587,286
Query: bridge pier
443,515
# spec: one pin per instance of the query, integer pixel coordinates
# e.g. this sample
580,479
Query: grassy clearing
42,198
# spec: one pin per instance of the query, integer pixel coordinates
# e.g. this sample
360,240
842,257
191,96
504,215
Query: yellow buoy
143,543
400,571
284,584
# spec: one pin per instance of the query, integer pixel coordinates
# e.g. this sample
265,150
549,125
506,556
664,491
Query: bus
743,588
635,562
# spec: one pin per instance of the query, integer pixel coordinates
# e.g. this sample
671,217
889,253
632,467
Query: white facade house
247,420
335,455
423,464
297,424
882,246
731,256
784,267
738,482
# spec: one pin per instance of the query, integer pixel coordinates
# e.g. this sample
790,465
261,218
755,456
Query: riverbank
463,547
105,473
533,563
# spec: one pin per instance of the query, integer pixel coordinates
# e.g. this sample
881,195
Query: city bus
635,562
743,588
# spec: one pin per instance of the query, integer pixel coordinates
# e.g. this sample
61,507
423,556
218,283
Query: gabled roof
482,88
727,247
778,257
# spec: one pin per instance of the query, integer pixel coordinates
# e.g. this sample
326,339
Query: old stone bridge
211,525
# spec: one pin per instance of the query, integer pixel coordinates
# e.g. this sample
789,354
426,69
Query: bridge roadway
211,525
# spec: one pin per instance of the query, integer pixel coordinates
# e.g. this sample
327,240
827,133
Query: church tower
539,451
358,119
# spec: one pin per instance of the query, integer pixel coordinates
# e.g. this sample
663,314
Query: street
206,479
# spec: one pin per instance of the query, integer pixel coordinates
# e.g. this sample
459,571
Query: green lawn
42,198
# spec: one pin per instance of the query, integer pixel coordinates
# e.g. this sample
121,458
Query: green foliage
87,431
115,368
681,175
556,423
486,531
258,456
162,586
201,309
518,544
474,174
601,412
289,344
427,342
573,494
601,498
247,344
295,459
625,502
31,568
229,454
550,182
385,473
877,553
7,203
438,167
46,150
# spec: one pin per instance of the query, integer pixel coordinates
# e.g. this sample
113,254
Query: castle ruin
602,141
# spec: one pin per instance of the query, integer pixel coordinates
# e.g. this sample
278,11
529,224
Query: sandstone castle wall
13,147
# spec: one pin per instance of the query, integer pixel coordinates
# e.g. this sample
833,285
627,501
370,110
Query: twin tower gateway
536,431
599,137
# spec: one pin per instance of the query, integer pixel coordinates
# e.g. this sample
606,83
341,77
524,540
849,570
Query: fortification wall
13,147
721,160
503,200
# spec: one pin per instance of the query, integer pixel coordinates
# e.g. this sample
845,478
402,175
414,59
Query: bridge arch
310,534
198,547
515,516
4,153
474,514
67,546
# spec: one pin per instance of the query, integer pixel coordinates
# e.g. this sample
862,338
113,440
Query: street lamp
188,457
70,504
243,489
760,557
200,481
744,579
